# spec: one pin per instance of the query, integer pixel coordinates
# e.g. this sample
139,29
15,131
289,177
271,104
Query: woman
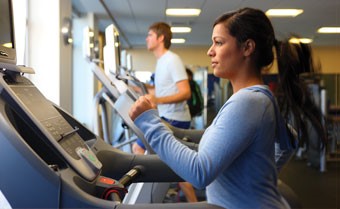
235,160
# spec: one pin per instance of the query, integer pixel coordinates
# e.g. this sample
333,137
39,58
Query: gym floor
314,189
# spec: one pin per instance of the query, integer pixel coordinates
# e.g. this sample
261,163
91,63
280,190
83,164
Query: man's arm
183,94
151,88
148,86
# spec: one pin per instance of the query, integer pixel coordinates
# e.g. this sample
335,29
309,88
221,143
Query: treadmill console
26,98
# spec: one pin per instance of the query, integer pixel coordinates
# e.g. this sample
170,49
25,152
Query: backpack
195,102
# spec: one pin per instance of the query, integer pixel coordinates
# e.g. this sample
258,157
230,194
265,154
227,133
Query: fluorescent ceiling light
177,40
180,29
300,40
182,12
329,30
284,12
8,45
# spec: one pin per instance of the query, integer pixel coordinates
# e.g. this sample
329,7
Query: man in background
172,89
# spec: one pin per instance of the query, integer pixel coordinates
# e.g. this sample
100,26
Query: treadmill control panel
54,126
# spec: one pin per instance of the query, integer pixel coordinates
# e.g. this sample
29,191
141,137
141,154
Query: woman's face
226,56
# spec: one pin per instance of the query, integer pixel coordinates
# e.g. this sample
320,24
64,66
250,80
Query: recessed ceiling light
283,12
177,40
300,40
180,29
182,12
329,30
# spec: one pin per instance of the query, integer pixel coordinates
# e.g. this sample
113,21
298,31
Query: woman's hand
143,104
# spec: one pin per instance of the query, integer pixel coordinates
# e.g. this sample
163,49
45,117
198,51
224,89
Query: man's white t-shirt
170,70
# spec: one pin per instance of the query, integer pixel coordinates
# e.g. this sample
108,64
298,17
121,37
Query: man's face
152,41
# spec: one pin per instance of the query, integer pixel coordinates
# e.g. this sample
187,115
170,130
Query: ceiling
133,17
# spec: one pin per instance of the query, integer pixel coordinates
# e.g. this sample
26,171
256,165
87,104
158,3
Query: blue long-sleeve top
235,158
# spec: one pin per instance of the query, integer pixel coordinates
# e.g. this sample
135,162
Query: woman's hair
248,23
162,28
293,60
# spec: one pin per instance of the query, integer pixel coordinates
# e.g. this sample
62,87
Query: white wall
47,54
20,18
62,74
43,46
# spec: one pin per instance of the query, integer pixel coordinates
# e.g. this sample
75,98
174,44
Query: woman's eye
218,43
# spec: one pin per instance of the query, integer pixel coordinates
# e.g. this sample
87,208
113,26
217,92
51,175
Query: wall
143,60
46,53
329,58
20,26
43,46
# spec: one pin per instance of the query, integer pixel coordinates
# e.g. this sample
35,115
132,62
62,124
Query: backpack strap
283,137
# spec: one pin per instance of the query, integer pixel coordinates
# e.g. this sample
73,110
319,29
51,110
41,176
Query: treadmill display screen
50,118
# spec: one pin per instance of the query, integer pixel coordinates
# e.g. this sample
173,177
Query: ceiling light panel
300,40
182,12
284,12
329,30
8,45
180,29
177,40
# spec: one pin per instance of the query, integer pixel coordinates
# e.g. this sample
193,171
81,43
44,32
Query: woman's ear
249,47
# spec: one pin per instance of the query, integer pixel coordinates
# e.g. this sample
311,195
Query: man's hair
162,28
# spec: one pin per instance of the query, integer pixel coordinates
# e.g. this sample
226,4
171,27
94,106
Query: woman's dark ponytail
295,101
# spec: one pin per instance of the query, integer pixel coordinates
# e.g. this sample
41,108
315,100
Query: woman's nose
210,52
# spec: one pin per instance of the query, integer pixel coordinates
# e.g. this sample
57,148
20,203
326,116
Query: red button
105,180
